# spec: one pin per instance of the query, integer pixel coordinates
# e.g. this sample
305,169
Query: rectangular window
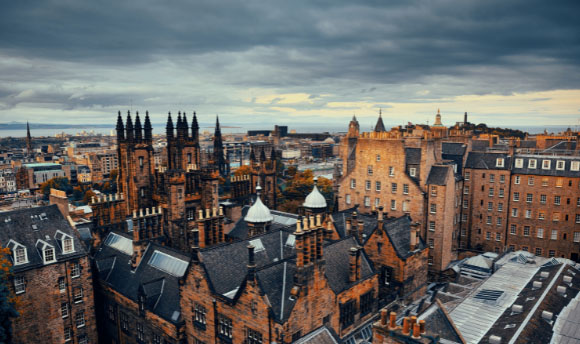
378,157
67,334
516,196
199,314
367,185
540,233
75,270
499,162
464,218
488,220
541,215
253,337
466,190
502,178
370,170
557,200
61,284
465,204
78,294
559,182
64,310
532,163
405,189
124,322
551,253
546,164
347,199
367,201
80,319
500,207
432,226
140,332
538,251
526,230
377,202
575,166
393,204
412,171
514,212
489,206
378,186
491,192
488,236
391,171
492,178
467,175
366,303
519,163
543,199
517,180
353,183
347,312
394,187
576,236
556,217
498,222
225,327
20,255
431,243
513,229
528,213
67,245
530,180
497,236
433,208
577,218
19,285
501,192
554,235
405,205
560,165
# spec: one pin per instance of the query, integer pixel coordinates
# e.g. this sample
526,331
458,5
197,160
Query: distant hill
22,126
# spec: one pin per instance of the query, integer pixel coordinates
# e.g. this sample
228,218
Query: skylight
258,246
119,243
171,265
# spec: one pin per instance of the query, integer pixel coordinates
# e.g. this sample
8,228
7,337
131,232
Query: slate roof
322,335
479,145
487,161
281,220
552,171
336,255
27,226
438,175
398,231
380,126
370,222
439,323
453,148
160,288
413,156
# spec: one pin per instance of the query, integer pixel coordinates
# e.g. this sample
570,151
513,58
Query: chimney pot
383,317
422,326
207,213
416,331
318,220
406,326
392,320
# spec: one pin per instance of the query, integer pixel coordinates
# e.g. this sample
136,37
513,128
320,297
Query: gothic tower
28,141
218,151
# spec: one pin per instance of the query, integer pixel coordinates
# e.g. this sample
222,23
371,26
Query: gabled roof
322,335
438,175
336,255
439,323
399,232
340,217
413,156
28,227
160,287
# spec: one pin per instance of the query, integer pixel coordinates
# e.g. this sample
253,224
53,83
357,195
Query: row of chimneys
310,235
240,178
210,213
147,212
107,198
411,326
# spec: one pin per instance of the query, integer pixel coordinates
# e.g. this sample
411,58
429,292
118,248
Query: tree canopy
7,300
299,186
59,183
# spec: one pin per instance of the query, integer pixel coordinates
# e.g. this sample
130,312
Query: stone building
52,277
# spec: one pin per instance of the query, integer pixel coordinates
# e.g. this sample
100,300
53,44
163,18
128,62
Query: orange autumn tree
7,299
299,186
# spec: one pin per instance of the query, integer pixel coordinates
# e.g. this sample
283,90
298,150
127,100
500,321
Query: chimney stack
251,263
352,265
299,244
406,326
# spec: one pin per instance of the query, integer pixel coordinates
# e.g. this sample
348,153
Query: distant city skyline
506,64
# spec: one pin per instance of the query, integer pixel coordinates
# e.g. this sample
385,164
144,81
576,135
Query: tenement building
52,278
404,171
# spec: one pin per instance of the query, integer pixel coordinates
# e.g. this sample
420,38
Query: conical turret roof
258,212
315,199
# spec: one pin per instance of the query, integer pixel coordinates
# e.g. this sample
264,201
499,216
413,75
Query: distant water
160,129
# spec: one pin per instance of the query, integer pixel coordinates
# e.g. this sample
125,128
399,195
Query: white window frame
405,189
517,180
367,201
391,171
64,310
560,165
378,186
370,170
19,285
80,319
532,164
554,234
519,163
352,183
347,199
546,164
499,162
413,171
75,270
393,204
540,233
576,236
575,166
367,185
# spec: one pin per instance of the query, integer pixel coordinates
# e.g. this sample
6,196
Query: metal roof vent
547,315
517,308
509,326
494,339
561,290
489,295
537,285
545,274
567,279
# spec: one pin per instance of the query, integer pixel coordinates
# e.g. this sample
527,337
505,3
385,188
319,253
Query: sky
259,63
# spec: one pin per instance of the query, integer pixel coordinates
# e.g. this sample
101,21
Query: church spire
129,127
380,127
28,140
138,129
148,129
120,128
169,127
195,129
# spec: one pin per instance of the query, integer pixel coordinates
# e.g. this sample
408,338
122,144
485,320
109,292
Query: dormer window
19,254
546,164
46,250
65,242
519,163
532,163
575,166
499,162
560,165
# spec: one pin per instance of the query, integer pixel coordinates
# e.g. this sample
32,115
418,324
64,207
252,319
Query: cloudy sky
294,62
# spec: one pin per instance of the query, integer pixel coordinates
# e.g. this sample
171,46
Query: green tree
7,300
297,188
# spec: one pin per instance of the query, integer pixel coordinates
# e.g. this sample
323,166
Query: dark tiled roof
528,144
322,335
398,230
439,323
413,156
281,220
480,145
160,288
277,281
380,125
226,265
438,175
454,148
336,255
27,226
487,161
552,171
370,222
